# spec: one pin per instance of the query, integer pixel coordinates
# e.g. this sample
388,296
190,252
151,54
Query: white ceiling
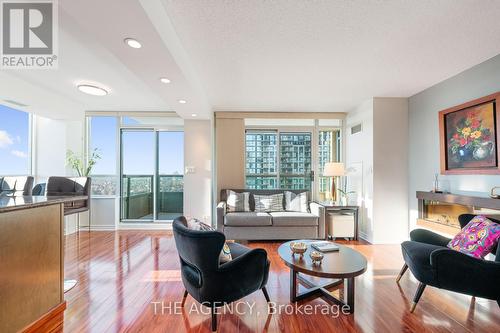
281,55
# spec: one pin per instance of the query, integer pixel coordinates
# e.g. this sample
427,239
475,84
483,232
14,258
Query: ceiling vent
356,129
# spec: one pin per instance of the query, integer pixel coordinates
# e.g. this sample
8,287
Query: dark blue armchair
213,284
434,264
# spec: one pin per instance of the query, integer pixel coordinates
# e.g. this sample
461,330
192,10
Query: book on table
325,246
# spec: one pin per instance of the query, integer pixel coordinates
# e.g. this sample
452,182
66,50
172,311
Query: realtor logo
29,34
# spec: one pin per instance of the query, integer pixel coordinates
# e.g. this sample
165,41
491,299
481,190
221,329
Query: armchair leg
214,319
184,297
402,272
266,295
418,294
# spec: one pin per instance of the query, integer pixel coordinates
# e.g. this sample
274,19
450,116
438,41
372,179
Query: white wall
478,81
380,150
49,148
198,155
359,153
390,169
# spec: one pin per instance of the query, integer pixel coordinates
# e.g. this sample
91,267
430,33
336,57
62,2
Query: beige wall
230,153
390,165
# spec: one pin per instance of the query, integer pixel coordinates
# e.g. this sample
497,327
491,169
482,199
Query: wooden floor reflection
121,274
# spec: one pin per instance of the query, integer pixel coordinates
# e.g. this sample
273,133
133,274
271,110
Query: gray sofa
273,225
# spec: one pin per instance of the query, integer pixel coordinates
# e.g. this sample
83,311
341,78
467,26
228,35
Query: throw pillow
225,253
477,238
296,202
238,202
269,203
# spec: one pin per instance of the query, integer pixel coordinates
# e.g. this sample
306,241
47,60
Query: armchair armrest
221,212
428,237
245,274
320,212
459,272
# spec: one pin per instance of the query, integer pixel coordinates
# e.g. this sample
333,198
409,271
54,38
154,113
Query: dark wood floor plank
121,273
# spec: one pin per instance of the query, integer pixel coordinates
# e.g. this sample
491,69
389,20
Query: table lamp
334,169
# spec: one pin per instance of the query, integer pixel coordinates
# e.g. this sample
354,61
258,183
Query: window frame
314,131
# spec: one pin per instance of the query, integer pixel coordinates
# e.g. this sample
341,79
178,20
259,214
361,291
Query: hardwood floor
121,273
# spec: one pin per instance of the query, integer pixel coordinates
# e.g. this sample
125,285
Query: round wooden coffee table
342,266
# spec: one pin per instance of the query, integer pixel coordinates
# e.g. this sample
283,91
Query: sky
138,149
14,142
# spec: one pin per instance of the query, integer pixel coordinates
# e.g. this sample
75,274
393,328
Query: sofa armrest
320,212
459,272
221,213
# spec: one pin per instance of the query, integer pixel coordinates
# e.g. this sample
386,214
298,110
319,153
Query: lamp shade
334,169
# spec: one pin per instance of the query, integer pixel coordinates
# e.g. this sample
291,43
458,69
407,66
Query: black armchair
213,284
434,264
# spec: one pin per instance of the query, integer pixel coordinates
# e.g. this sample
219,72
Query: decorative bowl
298,248
316,257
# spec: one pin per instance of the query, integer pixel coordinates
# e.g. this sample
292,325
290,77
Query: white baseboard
145,226
98,228
364,237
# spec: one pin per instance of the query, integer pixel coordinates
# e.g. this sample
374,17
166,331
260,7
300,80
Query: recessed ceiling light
165,80
194,115
182,101
134,43
92,90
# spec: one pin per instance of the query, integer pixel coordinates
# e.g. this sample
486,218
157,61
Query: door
152,164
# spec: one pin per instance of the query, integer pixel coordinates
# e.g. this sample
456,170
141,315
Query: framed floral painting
468,134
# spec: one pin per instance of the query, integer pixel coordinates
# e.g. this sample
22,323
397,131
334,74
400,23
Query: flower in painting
469,135
476,134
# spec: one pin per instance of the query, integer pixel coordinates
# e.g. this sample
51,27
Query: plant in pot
77,163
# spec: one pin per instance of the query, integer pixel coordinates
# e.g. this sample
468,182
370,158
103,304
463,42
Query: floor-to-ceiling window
142,162
277,159
15,135
292,158
102,141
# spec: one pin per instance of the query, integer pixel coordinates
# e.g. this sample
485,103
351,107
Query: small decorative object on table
298,248
316,257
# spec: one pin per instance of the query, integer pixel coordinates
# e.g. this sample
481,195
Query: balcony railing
138,199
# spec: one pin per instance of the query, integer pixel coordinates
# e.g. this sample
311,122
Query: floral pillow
477,238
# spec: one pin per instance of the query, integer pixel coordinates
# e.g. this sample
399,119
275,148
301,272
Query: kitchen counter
32,259
10,203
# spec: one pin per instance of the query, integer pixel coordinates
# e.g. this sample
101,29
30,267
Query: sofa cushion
296,202
294,219
268,203
238,201
247,219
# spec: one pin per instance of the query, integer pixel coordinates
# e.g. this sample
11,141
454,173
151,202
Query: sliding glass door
170,180
152,164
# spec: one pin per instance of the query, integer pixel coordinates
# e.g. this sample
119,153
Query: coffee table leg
349,293
293,285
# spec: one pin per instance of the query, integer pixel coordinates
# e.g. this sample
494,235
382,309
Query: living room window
278,159
15,135
102,139
291,156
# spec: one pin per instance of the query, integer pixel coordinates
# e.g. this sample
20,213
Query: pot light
92,90
165,80
133,43
194,115
182,101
